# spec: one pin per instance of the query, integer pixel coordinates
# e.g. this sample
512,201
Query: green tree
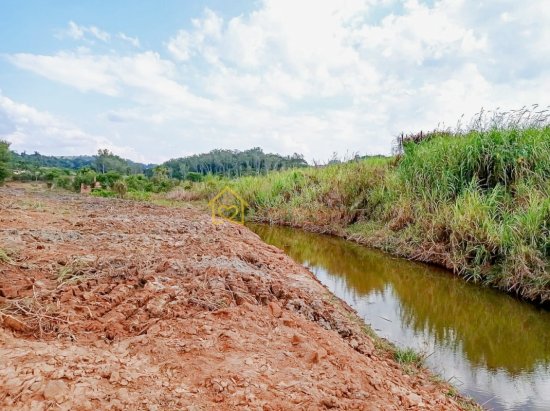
5,157
84,176
109,178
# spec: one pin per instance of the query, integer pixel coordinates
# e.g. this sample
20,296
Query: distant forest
102,162
228,163
232,163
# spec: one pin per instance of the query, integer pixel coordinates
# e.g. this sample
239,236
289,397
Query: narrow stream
489,345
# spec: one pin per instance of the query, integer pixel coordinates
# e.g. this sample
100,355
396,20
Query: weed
408,356
4,257
75,270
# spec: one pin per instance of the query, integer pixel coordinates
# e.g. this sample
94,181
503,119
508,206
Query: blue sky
157,80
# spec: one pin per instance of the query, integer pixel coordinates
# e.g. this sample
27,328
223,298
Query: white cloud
138,76
315,76
77,32
134,41
30,129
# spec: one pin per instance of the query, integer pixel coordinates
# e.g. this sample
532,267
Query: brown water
491,346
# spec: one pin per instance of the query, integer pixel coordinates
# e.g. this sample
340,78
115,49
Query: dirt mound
109,304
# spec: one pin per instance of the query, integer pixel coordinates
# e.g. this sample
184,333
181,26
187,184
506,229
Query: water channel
489,345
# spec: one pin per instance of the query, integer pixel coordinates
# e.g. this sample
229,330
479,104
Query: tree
5,157
84,176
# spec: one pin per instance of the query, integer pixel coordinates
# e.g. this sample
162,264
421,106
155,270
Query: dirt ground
112,304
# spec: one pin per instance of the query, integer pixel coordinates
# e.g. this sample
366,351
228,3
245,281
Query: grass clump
4,257
408,356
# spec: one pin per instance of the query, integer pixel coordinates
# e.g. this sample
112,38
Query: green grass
408,356
476,202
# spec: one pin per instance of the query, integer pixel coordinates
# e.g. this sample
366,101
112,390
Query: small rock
35,385
296,339
115,376
56,390
275,309
329,403
414,399
312,357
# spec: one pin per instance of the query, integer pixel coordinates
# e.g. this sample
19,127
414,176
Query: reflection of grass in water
493,329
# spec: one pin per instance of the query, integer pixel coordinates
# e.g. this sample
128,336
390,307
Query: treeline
231,163
103,162
122,177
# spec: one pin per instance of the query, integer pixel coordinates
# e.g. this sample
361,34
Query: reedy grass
477,202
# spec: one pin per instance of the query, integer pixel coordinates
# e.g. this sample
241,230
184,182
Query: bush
5,157
194,177
120,188
24,176
108,179
138,195
101,192
138,182
63,182
84,176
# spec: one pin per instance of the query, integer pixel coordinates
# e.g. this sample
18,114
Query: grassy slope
478,204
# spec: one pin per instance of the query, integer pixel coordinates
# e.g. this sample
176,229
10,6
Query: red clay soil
112,304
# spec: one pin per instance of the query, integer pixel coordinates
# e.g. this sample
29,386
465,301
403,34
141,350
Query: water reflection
493,347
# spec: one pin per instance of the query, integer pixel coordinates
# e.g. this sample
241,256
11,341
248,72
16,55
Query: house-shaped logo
227,205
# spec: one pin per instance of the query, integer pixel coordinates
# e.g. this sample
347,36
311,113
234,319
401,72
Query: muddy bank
109,304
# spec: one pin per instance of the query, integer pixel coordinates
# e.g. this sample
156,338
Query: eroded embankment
109,304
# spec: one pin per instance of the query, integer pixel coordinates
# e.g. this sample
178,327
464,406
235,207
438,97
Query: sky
158,80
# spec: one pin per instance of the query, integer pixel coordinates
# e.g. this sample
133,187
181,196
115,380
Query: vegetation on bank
477,202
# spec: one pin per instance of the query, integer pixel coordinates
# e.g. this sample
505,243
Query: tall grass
476,201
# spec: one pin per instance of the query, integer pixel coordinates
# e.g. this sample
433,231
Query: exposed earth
113,304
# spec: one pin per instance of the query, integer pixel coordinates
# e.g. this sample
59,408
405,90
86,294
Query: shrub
5,157
108,179
101,192
63,182
24,175
120,188
194,177
84,176
138,195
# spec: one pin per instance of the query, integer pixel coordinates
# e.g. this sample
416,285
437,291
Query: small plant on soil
73,271
4,257
408,356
